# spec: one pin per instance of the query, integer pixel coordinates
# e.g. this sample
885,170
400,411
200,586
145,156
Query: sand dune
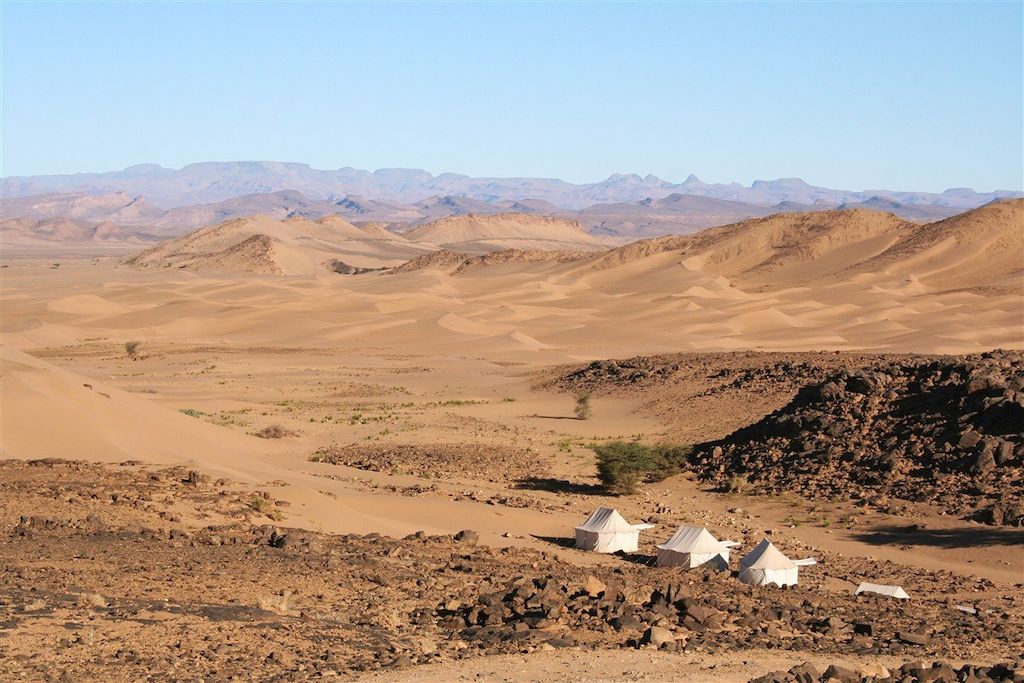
858,280
783,249
298,246
294,246
475,234
980,248
97,422
57,233
983,248
378,230
846,280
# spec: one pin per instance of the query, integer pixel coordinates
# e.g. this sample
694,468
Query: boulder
968,439
829,391
914,638
657,636
873,670
985,463
467,536
805,673
594,586
864,629
839,673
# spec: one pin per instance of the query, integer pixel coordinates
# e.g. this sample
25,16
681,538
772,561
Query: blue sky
859,96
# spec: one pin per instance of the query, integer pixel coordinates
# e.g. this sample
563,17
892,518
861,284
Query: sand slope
475,234
63,233
294,246
299,246
983,248
105,424
845,280
978,248
96,421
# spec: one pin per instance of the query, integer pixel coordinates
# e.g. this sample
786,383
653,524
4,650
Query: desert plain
249,452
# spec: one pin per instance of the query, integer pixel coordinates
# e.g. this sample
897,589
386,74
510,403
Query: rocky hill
117,207
945,430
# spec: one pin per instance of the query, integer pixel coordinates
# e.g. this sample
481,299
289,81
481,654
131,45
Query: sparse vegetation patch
131,348
623,465
274,432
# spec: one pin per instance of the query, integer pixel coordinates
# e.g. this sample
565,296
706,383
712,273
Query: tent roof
693,539
766,556
881,589
608,521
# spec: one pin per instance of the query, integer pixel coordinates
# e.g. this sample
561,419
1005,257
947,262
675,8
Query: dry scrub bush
737,484
274,432
582,410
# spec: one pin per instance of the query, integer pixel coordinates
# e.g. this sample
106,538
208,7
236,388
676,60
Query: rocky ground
945,430
478,461
937,672
703,396
139,573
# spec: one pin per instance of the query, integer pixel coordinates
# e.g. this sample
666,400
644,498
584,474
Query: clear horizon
910,96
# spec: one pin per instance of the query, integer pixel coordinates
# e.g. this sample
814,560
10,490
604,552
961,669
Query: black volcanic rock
944,430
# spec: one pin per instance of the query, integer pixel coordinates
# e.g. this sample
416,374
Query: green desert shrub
265,507
623,465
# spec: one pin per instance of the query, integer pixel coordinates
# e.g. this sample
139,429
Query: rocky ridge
942,430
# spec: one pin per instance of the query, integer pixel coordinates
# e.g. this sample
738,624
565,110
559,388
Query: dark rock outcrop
942,430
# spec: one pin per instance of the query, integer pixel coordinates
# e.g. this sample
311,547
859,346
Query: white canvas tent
882,589
605,531
766,564
692,546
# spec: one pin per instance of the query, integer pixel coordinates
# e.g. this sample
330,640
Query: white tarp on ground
766,565
605,531
882,589
693,546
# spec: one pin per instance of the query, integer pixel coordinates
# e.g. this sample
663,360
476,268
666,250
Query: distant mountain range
174,201
209,182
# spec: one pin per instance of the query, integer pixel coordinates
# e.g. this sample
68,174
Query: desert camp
766,565
605,531
524,342
692,547
882,589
